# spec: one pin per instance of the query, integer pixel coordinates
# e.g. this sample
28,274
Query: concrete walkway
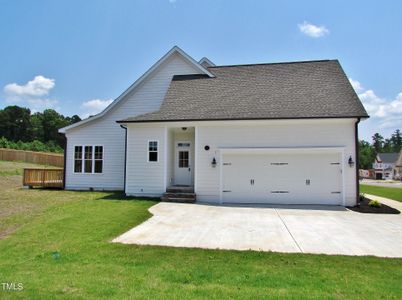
299,229
393,203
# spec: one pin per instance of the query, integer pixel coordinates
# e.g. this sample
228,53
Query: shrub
374,203
31,146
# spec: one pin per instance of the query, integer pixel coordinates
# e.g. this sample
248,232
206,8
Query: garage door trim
310,150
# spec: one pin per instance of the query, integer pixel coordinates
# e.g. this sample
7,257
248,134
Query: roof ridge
274,63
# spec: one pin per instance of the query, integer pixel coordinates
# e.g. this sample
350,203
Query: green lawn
391,193
59,247
10,168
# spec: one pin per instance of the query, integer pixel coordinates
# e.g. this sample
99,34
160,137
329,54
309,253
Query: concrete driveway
329,230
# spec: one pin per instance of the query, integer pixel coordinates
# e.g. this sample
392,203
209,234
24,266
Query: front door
183,163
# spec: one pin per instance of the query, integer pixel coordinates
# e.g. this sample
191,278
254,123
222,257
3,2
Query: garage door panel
282,178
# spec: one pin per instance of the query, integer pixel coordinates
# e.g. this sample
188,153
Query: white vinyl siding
153,151
105,131
143,177
269,134
151,179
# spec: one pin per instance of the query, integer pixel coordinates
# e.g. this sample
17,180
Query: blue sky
75,56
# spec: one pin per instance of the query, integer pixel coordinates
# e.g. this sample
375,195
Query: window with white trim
98,159
88,159
78,159
153,151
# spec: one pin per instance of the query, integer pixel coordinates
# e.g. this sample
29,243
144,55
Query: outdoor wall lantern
184,128
213,163
351,162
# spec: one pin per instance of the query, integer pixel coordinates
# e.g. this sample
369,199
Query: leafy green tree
51,122
378,142
396,140
73,119
19,127
37,131
387,146
15,123
366,155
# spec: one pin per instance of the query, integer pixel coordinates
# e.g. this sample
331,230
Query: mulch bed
367,209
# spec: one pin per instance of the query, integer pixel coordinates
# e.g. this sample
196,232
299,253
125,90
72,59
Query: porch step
177,200
178,197
180,189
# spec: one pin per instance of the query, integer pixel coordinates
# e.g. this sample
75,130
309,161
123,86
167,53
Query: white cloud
312,30
33,94
39,86
356,85
93,107
386,113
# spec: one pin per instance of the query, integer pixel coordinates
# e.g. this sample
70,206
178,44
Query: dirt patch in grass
18,205
7,231
364,207
9,186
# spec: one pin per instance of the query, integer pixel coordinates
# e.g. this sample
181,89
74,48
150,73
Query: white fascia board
201,123
175,49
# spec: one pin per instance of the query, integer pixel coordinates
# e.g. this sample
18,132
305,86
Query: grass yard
386,192
10,168
56,243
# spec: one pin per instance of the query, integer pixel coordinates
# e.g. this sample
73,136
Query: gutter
357,161
237,119
125,156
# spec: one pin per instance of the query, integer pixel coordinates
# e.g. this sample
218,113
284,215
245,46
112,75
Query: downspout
357,161
125,156
65,162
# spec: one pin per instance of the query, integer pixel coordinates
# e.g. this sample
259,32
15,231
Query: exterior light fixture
184,128
213,163
351,162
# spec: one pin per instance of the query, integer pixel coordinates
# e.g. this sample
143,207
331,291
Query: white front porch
180,156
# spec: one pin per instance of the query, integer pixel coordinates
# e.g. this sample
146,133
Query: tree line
368,151
24,130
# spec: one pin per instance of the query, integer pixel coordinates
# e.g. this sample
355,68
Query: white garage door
307,178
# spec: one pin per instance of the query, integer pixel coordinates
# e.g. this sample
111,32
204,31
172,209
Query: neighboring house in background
282,133
398,167
388,166
368,174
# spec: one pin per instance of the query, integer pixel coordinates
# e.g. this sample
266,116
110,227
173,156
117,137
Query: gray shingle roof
313,89
389,158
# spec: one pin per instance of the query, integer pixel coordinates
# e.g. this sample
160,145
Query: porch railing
48,178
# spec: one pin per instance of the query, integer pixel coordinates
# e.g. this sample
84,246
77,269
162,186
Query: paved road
300,229
382,183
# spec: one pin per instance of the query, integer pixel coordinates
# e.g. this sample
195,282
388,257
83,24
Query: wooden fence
46,178
42,158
